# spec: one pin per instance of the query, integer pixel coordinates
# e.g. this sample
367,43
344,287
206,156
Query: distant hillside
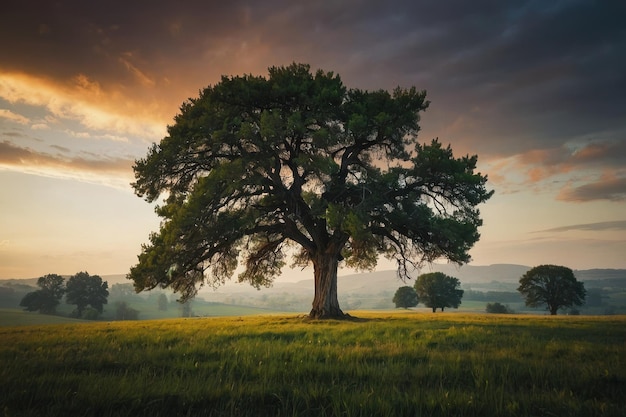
504,277
372,290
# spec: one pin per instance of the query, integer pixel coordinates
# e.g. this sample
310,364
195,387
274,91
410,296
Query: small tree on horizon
405,297
438,290
47,298
497,308
553,286
123,311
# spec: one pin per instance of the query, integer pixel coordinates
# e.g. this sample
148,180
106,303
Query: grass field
15,317
382,364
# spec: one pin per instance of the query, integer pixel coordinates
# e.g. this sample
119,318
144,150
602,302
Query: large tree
85,290
47,297
551,285
438,290
256,169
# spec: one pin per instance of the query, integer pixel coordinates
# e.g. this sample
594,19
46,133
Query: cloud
17,118
608,187
535,88
616,225
579,170
141,76
83,101
115,172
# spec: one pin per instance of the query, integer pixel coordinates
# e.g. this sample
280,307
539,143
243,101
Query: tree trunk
553,311
325,303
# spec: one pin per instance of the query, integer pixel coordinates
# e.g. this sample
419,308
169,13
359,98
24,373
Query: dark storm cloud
505,78
72,36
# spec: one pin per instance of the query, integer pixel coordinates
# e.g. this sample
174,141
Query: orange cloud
83,100
115,172
139,75
610,186
9,115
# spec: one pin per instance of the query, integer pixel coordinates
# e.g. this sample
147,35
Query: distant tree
47,298
122,291
552,285
124,312
256,169
438,290
497,308
162,302
86,290
186,307
405,297
594,297
90,313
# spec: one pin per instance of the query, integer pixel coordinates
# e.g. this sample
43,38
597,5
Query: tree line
434,290
87,292
552,286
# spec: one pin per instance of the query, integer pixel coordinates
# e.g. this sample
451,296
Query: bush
124,312
498,308
90,313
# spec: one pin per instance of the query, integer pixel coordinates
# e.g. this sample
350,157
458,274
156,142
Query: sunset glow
85,89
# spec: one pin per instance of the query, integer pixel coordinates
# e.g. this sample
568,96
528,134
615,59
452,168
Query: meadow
379,364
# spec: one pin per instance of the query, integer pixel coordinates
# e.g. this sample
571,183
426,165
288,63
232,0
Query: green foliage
553,286
497,308
401,364
122,291
405,297
85,290
47,298
89,313
125,312
438,290
255,166
14,317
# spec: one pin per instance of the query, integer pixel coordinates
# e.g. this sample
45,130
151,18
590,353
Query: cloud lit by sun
86,88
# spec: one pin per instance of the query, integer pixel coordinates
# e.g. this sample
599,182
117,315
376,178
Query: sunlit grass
381,364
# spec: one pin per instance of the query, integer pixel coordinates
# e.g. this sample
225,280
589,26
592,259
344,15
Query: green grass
383,364
15,317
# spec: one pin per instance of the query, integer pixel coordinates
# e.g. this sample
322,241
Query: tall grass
380,365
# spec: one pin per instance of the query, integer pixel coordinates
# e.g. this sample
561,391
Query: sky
536,89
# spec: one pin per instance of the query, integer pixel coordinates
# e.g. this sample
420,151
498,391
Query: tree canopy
553,286
256,169
405,297
438,290
85,290
47,298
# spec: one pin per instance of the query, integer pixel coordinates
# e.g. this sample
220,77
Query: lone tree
405,297
256,169
438,290
47,298
552,285
86,290
497,308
